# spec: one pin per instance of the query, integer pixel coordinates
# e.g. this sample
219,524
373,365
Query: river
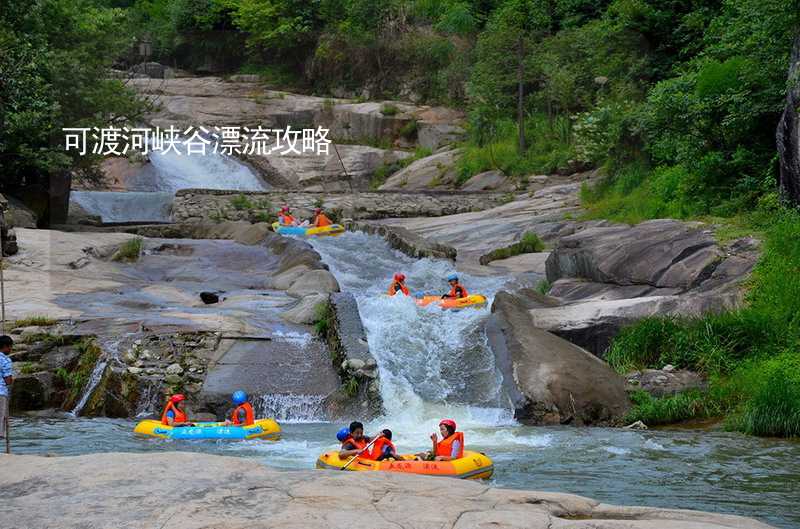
436,364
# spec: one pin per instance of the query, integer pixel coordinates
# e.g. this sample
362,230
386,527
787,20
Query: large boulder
788,133
329,172
431,171
196,490
550,380
32,391
661,253
608,276
314,282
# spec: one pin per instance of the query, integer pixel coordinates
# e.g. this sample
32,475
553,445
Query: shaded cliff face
788,133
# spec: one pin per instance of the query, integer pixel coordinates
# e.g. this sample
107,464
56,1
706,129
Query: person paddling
355,441
398,285
174,413
320,219
457,291
243,414
450,447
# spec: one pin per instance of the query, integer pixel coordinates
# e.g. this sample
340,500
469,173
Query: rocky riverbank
152,490
201,309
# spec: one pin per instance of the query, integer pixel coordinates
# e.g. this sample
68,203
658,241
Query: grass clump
35,321
543,287
74,380
323,316
129,251
389,109
530,243
680,407
241,203
409,130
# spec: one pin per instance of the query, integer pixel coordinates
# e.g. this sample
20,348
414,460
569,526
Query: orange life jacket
179,415
249,416
454,291
377,448
321,220
360,444
286,219
395,286
445,446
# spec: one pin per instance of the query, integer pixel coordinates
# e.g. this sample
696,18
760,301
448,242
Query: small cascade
291,408
91,385
153,188
119,207
150,399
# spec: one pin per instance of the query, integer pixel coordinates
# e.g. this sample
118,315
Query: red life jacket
445,446
377,448
286,219
395,286
179,415
249,416
454,292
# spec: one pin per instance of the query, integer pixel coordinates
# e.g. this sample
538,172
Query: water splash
150,399
432,363
290,408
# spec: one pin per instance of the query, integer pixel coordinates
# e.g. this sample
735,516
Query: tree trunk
521,94
788,134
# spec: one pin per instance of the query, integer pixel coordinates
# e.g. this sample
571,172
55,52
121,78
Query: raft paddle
360,452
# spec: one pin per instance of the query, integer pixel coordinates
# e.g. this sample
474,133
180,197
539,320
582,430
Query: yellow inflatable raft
474,465
262,429
471,301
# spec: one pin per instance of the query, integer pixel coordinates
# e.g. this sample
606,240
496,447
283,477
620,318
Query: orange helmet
399,277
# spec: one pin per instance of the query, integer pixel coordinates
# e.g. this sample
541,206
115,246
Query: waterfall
118,207
150,399
156,184
91,385
290,408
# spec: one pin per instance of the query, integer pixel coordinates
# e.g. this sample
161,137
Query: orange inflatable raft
474,465
472,301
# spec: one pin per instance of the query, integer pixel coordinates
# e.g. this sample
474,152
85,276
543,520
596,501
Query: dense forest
677,101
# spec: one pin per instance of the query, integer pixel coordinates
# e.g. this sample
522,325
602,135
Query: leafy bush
389,109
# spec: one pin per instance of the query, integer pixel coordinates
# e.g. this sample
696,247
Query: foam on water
433,363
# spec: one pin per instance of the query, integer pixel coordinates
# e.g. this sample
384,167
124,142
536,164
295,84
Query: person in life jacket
398,285
243,414
174,414
457,291
285,217
383,447
320,219
355,441
450,447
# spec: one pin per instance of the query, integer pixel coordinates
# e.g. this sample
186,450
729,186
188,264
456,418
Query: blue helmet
343,434
239,397
452,277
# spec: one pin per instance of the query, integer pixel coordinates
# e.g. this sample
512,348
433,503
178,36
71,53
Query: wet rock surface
235,493
554,381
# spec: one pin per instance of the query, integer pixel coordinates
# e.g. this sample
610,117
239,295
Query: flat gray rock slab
181,490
